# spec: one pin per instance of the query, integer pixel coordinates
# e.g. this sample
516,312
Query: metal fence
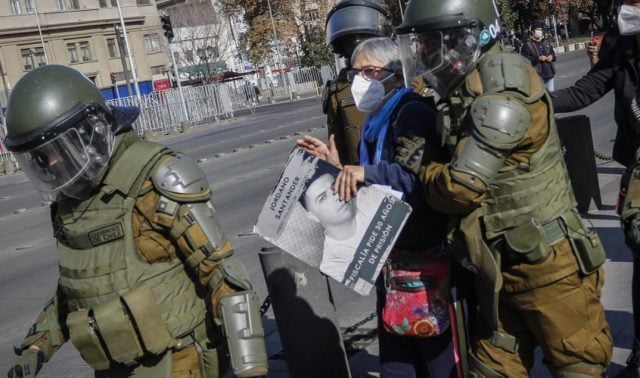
163,112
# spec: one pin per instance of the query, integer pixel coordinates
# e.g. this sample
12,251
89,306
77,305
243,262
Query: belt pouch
528,242
140,302
117,331
84,337
585,243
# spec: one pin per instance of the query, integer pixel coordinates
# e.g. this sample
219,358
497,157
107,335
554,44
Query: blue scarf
375,128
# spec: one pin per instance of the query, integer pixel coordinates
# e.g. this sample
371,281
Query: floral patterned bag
417,293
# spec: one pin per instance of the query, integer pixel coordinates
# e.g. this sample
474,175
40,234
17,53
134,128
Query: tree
259,38
314,47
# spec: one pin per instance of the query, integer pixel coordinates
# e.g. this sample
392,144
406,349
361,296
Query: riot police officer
538,268
139,243
348,23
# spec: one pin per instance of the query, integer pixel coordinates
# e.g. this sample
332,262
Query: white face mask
367,94
629,20
538,33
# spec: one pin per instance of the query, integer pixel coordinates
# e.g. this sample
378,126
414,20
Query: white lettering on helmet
494,29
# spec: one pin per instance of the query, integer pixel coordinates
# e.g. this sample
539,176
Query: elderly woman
415,341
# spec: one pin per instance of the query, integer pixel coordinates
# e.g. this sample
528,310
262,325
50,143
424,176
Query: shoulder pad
500,122
178,177
504,71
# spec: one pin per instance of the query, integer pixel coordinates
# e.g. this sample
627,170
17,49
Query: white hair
383,49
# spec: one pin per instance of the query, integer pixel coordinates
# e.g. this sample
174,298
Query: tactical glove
28,364
409,152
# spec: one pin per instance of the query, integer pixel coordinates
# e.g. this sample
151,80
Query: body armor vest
131,305
540,189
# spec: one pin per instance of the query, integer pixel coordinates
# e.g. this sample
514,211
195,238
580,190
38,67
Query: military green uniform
344,120
141,276
538,268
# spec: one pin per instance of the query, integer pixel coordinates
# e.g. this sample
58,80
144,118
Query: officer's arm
499,125
194,227
587,90
44,338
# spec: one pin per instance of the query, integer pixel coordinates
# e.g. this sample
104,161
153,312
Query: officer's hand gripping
410,152
28,365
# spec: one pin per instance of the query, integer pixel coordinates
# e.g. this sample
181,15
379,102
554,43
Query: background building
82,34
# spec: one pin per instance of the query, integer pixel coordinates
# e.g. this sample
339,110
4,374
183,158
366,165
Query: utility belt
530,243
125,329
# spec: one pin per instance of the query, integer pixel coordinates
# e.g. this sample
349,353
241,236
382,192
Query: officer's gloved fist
28,364
409,152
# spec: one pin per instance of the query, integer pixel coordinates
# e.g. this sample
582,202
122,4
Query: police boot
632,370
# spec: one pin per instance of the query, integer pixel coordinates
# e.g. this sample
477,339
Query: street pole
35,9
4,83
129,52
175,74
553,20
123,53
275,41
401,11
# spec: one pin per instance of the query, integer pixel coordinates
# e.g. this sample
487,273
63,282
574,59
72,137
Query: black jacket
616,69
533,49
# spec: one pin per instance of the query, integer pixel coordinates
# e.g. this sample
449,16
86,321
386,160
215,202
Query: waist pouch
122,329
585,243
417,293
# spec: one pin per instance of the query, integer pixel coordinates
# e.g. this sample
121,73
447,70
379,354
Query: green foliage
316,52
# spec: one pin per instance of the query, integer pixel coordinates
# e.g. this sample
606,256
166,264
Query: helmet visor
79,154
443,58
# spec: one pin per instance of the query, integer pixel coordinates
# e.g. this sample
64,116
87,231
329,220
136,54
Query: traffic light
113,77
166,25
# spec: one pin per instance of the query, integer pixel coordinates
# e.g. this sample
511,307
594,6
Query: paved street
242,159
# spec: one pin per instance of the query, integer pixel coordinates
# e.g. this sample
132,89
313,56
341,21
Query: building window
27,59
114,3
40,58
188,55
102,3
15,7
67,4
30,6
73,52
112,47
158,70
85,51
143,2
152,42
32,57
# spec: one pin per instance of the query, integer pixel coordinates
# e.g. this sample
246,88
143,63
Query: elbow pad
499,124
185,194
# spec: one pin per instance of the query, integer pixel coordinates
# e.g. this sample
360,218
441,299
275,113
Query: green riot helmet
352,21
61,131
442,40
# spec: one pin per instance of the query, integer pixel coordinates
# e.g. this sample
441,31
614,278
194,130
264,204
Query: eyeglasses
367,72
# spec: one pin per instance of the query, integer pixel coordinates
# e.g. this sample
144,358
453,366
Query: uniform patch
347,102
106,234
166,206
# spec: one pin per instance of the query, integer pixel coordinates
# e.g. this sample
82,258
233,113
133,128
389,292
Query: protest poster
347,241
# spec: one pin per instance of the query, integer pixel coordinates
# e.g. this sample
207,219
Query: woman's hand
346,184
320,149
